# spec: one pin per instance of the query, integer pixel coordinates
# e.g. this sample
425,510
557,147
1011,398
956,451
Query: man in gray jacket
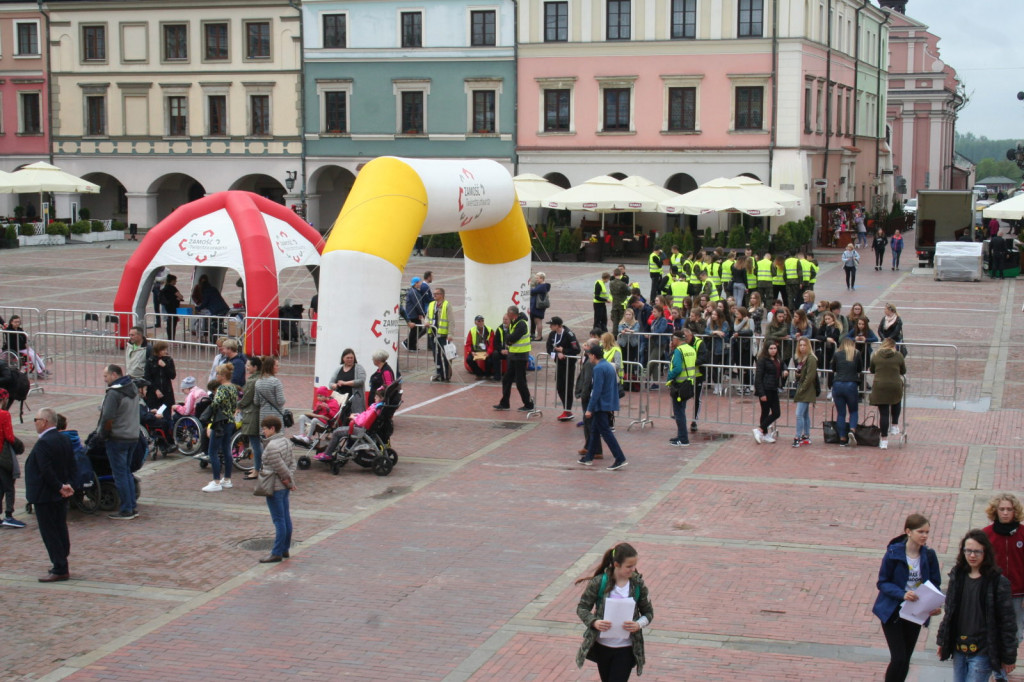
136,351
119,426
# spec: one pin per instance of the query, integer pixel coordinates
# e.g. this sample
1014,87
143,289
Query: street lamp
289,181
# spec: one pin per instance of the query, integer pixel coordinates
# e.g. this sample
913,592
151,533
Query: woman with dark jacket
615,578
827,336
160,374
878,244
979,629
539,292
768,378
887,389
907,564
846,370
862,335
250,427
891,326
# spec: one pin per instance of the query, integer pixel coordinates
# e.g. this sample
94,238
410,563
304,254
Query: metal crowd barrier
31,318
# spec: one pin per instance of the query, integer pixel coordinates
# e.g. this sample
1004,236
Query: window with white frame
334,96
335,27
619,17
681,112
482,99
411,105
556,105
684,19
30,113
748,102
483,28
26,38
556,21
615,110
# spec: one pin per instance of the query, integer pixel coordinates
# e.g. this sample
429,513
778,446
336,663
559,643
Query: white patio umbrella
652,190
532,190
42,177
721,195
763,191
603,194
1010,209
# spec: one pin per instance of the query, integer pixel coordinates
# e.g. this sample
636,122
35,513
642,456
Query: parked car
910,208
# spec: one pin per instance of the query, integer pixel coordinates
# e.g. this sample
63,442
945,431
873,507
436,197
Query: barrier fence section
30,317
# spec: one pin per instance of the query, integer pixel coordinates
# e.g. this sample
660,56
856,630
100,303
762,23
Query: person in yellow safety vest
715,275
438,328
683,370
619,291
778,281
727,264
703,355
696,265
679,289
601,299
654,266
810,273
706,288
675,261
792,281
764,277
751,279
517,352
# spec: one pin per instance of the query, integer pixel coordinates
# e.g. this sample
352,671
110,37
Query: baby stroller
370,446
98,466
317,446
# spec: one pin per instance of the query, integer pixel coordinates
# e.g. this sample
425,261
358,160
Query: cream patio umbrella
645,186
532,190
1010,209
721,195
761,190
42,177
603,194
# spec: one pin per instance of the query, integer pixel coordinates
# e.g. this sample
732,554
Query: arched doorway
331,184
173,190
111,202
261,184
681,183
558,179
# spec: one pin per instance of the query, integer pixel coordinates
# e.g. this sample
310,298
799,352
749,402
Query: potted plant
97,226
11,237
81,227
58,229
84,213
27,230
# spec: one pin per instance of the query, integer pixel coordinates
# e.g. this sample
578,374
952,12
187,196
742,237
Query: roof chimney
896,5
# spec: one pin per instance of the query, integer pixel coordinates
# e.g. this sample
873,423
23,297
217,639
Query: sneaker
566,416
579,424
525,408
796,442
405,345
769,438
759,436
300,440
678,443
212,487
894,430
828,396
12,522
122,516
225,483
883,444
501,407
617,465
844,442
805,440
585,462
322,457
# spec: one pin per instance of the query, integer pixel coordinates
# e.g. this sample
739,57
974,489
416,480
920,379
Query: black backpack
17,385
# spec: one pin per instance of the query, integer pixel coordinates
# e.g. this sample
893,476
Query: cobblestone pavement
761,560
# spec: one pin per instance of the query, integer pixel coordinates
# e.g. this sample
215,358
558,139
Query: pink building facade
24,137
923,102
685,91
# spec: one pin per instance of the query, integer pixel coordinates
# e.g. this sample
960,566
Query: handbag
450,351
830,430
543,302
17,446
868,433
264,484
680,391
287,418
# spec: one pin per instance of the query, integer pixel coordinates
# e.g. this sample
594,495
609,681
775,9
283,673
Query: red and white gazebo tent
238,230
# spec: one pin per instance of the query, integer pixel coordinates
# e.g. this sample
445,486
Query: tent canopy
1011,209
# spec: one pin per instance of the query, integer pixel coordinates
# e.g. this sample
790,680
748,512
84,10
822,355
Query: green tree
737,236
687,245
759,240
993,167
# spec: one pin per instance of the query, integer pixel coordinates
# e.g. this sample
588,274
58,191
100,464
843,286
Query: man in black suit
49,471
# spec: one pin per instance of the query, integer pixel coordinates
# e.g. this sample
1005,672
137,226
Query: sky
978,40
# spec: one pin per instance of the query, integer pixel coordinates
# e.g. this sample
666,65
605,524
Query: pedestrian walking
615,651
896,246
49,472
1005,512
850,260
604,400
584,385
907,564
768,379
878,244
979,628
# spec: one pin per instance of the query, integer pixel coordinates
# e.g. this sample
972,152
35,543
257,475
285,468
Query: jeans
851,277
845,396
600,427
679,412
739,292
896,258
256,443
280,514
901,636
770,410
118,453
443,368
967,668
803,419
221,445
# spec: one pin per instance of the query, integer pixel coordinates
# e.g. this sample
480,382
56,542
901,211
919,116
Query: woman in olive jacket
250,427
615,659
888,367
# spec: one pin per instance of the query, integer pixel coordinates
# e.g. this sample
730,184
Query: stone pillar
142,210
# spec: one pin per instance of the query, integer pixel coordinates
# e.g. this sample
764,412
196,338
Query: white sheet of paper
160,410
929,598
618,611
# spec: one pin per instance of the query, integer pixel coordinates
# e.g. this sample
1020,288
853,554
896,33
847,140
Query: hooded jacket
119,414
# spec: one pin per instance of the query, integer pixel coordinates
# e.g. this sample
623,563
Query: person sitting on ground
310,423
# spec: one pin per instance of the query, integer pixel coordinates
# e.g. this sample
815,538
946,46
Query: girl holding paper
617,646
907,564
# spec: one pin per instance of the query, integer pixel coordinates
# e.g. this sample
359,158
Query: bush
97,226
445,240
567,242
11,232
687,246
737,238
84,213
81,227
783,241
118,225
759,240
57,228
26,229
666,241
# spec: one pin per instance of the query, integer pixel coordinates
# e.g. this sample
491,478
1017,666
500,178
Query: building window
557,111
335,112
175,42
618,19
335,30
259,124
412,29
177,116
556,22
682,109
808,100
96,115
215,42
257,40
484,111
27,38
684,19
749,102
751,18
94,43
616,109
30,121
483,27
217,115
412,112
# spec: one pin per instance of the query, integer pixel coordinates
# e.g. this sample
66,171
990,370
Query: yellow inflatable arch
392,202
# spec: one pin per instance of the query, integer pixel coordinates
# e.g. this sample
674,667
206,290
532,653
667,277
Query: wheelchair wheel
304,462
335,468
11,359
241,453
109,499
382,464
391,455
188,435
88,498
